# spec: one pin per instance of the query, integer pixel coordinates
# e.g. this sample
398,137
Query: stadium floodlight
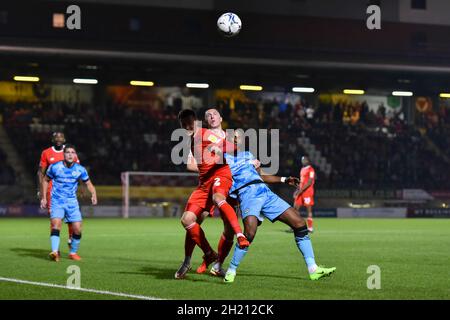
250,87
303,89
197,85
142,83
353,91
444,95
402,93
26,78
85,81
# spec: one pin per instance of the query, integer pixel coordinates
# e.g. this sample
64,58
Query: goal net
156,194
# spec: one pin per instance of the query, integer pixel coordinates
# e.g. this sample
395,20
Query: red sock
229,215
189,245
198,236
70,229
309,222
224,248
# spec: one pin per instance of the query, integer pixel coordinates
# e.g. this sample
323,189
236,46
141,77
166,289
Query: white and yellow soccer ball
229,24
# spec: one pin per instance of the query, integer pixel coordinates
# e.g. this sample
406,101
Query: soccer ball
229,24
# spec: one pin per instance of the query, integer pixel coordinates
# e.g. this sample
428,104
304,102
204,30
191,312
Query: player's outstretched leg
250,227
76,239
229,215
54,239
297,207
224,248
296,222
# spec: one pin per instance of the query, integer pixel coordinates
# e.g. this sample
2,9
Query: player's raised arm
187,120
267,178
192,163
90,186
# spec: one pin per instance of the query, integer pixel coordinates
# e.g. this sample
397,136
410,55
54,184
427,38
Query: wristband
283,179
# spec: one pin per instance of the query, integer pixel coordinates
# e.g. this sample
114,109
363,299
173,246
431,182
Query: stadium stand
363,148
7,173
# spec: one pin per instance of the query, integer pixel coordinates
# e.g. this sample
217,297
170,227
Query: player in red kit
207,146
48,157
304,195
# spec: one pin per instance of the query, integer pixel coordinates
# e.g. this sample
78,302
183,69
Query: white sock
312,269
217,265
231,270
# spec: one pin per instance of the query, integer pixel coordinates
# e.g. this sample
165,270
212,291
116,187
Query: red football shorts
201,198
305,199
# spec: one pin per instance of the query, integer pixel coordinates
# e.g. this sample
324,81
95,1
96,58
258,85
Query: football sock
224,248
189,245
309,222
198,236
54,239
187,260
229,215
76,239
238,255
217,265
305,246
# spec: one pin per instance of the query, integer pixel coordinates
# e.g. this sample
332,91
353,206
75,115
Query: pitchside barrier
371,212
164,194
170,210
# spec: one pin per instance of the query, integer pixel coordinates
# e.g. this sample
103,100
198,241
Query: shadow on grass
29,252
158,272
276,276
169,273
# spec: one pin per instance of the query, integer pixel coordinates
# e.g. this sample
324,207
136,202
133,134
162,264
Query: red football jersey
50,156
307,173
208,162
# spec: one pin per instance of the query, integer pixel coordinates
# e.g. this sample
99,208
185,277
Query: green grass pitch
140,257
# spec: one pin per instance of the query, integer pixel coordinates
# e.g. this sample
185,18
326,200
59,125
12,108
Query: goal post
161,194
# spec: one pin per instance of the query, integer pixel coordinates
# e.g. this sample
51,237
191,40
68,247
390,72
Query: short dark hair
69,146
186,113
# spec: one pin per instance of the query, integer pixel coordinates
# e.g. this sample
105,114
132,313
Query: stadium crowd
436,125
366,148
7,173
